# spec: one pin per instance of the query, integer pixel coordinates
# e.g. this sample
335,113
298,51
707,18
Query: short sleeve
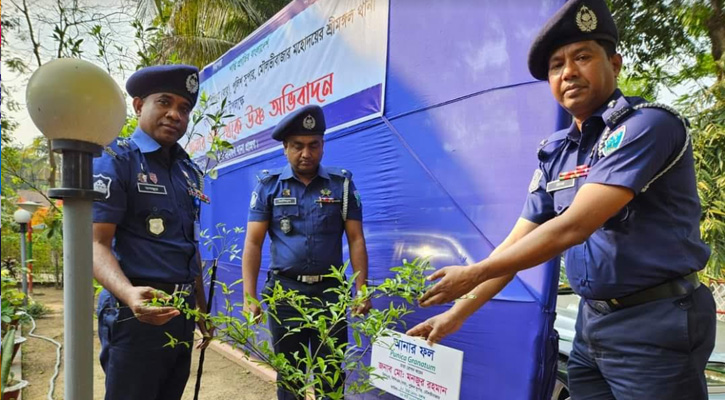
539,205
259,208
110,178
639,149
354,203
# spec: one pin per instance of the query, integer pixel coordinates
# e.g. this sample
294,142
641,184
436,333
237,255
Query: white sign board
332,53
412,370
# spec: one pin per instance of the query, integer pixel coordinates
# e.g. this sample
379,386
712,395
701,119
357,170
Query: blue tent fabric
445,172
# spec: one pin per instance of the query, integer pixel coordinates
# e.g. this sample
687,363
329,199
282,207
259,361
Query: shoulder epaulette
345,173
551,145
266,175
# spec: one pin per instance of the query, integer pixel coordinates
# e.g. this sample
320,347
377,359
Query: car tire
561,390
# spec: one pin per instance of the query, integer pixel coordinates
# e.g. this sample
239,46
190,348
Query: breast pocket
287,218
331,217
563,199
279,212
156,213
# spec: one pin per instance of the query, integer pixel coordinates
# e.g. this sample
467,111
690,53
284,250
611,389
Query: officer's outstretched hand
455,282
138,296
254,309
434,329
363,308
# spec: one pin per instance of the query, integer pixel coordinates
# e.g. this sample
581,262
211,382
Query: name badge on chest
553,186
151,188
285,201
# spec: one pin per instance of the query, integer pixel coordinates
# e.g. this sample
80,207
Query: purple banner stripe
355,106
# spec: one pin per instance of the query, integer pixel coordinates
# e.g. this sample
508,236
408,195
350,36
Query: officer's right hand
254,309
435,328
136,298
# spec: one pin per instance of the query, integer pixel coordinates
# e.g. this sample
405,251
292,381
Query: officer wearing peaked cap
616,193
304,207
145,240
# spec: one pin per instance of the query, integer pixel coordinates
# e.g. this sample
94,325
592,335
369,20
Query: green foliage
37,309
12,299
213,118
709,147
309,369
7,354
197,32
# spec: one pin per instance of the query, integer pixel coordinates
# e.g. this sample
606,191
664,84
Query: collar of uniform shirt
574,134
147,144
288,174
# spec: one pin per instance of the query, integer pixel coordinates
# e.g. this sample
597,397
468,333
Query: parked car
567,307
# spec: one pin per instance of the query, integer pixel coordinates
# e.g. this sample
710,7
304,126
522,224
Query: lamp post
31,207
79,107
22,217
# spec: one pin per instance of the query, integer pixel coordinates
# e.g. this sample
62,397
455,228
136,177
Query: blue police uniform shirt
656,237
156,237
314,213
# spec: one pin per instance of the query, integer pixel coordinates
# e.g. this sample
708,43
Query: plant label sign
410,369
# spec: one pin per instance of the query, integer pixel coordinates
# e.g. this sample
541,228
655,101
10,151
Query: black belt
672,288
169,288
308,279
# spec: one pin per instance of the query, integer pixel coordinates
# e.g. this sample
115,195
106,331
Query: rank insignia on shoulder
123,143
155,226
110,152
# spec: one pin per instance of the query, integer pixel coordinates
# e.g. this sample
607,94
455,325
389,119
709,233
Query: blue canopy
444,172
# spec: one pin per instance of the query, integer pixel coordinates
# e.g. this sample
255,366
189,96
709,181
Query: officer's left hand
207,334
455,282
363,308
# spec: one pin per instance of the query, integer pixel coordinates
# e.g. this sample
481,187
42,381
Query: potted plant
12,391
7,356
19,340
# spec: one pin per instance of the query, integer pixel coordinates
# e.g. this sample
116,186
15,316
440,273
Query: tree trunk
716,32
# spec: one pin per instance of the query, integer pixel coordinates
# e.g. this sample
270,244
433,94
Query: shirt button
558,208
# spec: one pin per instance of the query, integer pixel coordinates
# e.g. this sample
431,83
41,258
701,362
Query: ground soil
222,378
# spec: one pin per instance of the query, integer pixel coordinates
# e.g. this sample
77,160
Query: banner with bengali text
327,52
409,368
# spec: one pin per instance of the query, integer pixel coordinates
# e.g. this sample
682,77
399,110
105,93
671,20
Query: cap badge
192,83
309,122
586,20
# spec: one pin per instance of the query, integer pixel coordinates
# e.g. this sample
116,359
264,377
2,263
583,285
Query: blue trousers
305,338
656,350
133,356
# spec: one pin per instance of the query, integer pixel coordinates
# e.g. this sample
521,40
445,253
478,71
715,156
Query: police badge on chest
285,225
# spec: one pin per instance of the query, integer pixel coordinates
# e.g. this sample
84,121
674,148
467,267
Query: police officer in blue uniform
145,240
616,192
305,207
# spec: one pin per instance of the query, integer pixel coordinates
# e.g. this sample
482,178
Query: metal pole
30,256
78,195
23,272
78,298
